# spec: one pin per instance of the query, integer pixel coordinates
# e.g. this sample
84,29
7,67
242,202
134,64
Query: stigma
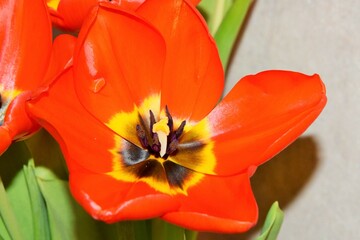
162,130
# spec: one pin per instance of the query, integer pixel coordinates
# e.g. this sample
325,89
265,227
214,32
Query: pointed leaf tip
272,223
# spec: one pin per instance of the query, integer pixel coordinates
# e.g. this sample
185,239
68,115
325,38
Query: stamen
172,146
180,130
170,122
141,135
152,120
156,144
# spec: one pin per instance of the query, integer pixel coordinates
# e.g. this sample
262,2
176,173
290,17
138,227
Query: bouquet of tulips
113,124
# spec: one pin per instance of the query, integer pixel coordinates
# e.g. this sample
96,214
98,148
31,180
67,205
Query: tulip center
161,139
6,96
168,154
2,109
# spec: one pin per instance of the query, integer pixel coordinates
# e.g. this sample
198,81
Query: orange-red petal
6,139
86,144
25,37
70,14
193,76
111,200
118,62
261,115
16,120
83,139
217,204
61,57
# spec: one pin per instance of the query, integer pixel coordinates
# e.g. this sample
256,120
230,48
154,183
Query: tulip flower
139,121
70,14
25,41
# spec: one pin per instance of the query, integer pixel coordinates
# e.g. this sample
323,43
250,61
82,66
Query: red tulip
143,134
25,48
70,14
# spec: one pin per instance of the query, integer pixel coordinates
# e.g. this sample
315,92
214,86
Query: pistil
162,130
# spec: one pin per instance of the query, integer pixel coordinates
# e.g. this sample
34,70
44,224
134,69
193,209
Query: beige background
316,179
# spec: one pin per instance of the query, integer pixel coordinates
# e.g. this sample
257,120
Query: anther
141,135
170,120
180,130
156,144
172,147
152,120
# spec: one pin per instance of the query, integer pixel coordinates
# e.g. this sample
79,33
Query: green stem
162,230
191,235
125,230
142,230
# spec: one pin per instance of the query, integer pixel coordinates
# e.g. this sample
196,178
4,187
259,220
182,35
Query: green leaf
15,207
272,223
9,226
39,211
227,33
67,219
37,203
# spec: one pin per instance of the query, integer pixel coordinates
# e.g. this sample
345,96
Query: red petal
193,77
111,200
17,120
117,65
70,14
17,123
261,115
85,143
217,204
129,4
25,36
83,139
61,56
6,139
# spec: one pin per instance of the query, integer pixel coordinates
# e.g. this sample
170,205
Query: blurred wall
317,179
